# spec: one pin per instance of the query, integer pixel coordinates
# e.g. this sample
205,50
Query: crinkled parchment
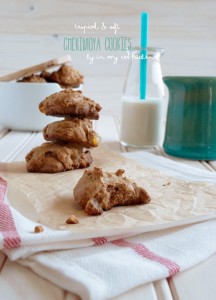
48,198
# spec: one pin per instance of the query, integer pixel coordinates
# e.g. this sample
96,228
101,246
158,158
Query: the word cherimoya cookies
97,191
67,138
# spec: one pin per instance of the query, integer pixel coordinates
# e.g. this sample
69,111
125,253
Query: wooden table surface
197,283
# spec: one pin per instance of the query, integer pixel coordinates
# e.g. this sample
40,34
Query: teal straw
143,53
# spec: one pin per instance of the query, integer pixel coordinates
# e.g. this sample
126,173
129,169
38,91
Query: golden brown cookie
70,103
32,78
56,157
66,76
98,190
78,131
46,75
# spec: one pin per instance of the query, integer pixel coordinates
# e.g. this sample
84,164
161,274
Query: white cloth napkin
107,270
101,268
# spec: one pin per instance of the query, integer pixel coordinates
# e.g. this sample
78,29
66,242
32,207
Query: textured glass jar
141,119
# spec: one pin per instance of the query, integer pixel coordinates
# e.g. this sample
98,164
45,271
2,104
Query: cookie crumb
119,172
72,220
38,229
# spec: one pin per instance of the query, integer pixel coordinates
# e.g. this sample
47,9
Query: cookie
32,78
66,76
70,103
45,75
78,131
97,191
57,157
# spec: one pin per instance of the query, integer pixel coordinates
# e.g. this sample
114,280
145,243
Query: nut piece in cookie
78,131
66,76
33,78
98,190
70,103
56,157
72,220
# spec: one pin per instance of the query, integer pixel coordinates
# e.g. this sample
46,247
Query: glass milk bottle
142,119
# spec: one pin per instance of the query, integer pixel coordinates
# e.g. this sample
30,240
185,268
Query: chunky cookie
66,76
57,157
71,103
78,131
98,190
32,78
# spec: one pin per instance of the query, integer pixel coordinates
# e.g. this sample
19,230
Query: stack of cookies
67,138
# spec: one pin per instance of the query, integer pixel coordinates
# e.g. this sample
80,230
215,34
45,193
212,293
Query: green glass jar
191,117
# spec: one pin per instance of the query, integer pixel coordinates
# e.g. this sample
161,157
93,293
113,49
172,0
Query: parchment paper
48,198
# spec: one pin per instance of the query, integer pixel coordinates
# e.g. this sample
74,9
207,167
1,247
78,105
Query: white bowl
19,105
